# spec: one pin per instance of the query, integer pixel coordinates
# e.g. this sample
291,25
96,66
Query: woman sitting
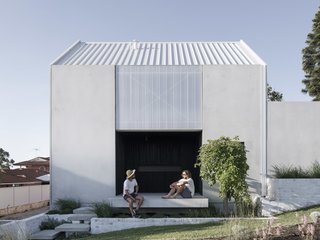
184,187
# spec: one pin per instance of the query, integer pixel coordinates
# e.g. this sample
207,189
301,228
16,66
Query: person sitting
184,187
130,192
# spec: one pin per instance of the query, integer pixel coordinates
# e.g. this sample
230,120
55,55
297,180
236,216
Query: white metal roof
159,54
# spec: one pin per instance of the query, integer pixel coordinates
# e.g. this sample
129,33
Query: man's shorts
186,193
134,195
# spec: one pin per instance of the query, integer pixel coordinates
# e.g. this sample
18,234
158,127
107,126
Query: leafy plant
66,206
315,170
282,171
224,160
53,211
50,223
102,209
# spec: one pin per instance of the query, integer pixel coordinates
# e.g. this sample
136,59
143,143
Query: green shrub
315,169
50,223
102,209
66,206
281,171
53,211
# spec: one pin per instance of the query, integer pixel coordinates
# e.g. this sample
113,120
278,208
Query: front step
81,218
68,228
84,210
154,200
45,234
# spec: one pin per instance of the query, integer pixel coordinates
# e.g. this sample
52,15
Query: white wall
16,196
83,132
293,134
233,105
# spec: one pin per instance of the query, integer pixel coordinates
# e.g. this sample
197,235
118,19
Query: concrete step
45,234
154,200
73,227
81,218
84,210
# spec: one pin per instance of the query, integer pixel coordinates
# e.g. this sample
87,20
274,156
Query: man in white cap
130,192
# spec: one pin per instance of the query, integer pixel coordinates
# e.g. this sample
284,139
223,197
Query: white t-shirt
129,185
189,185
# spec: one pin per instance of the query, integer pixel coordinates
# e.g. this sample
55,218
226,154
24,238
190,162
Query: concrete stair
154,200
68,228
45,234
83,210
81,218
80,223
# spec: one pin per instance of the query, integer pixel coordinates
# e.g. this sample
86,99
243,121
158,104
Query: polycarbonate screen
158,97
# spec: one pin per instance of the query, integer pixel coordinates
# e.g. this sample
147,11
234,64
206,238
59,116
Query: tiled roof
159,54
38,161
6,177
29,173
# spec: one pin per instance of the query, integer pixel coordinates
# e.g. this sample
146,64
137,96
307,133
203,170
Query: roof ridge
159,53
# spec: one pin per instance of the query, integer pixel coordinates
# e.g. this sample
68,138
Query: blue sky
35,32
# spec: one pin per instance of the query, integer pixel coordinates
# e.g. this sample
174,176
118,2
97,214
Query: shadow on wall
92,185
254,186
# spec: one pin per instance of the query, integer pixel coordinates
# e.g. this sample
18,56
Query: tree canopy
273,95
311,60
5,162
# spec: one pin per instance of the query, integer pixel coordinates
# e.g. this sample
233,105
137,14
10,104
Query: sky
33,33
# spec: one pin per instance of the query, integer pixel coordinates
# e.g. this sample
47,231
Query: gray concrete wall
293,134
233,105
82,132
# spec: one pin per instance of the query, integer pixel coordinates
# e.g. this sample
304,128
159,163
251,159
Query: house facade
149,106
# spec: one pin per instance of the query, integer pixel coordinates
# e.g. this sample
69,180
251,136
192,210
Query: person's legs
139,199
130,202
173,188
179,190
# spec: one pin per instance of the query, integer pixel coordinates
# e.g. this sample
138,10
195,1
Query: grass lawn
208,230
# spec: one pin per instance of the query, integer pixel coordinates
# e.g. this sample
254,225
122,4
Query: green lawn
208,230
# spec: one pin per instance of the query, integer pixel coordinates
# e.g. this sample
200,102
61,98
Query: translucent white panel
158,97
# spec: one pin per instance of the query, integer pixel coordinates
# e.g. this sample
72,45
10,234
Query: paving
45,234
27,214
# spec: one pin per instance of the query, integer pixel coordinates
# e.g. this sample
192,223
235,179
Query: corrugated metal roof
159,53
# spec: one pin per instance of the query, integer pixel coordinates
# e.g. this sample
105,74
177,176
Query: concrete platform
154,200
84,210
45,234
81,217
73,227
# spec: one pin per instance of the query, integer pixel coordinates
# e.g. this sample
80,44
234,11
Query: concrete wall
20,199
82,132
293,134
233,105
290,194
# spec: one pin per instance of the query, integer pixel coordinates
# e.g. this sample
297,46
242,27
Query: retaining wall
103,225
291,194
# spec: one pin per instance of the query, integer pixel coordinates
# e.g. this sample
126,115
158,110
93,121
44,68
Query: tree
273,95
5,162
311,60
224,160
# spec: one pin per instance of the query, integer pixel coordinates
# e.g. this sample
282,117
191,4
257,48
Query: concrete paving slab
73,227
154,200
45,234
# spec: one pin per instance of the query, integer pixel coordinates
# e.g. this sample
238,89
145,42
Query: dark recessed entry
158,157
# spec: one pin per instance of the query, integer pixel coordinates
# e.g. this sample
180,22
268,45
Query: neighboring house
150,106
22,190
41,163
9,178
